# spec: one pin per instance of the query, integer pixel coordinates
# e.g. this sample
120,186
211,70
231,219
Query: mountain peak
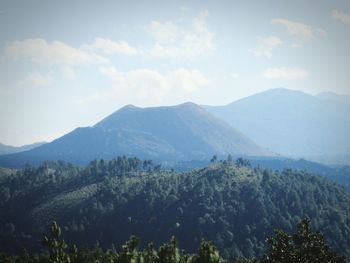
124,114
282,91
180,132
129,106
187,104
292,122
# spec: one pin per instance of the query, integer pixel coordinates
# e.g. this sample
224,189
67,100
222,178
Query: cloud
265,46
163,32
299,30
147,85
36,79
340,16
285,73
40,51
184,80
68,72
111,47
172,41
296,45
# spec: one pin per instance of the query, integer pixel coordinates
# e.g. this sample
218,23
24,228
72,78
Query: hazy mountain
185,131
333,97
7,149
293,123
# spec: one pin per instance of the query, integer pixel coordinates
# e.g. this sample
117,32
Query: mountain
185,131
333,97
7,149
293,123
235,206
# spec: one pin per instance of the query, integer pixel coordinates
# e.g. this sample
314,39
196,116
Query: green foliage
230,203
242,162
56,245
303,246
129,251
208,253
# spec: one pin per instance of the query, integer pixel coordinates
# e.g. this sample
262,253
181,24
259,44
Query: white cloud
285,73
40,51
68,72
296,45
182,43
340,16
37,79
184,80
111,47
163,32
266,45
300,30
147,86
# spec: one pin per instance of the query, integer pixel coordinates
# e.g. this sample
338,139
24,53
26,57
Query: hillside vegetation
230,203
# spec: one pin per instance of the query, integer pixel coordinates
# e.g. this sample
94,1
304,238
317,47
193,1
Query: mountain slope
333,97
291,123
185,131
7,149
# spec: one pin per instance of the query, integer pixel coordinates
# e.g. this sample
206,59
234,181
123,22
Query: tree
240,162
208,253
129,250
56,245
304,246
214,159
169,253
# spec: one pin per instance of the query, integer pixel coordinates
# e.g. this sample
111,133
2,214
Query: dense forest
336,173
302,246
230,203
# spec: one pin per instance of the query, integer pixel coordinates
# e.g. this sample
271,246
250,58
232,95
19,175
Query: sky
68,64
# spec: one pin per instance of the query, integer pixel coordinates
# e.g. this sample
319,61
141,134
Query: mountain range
185,131
277,122
293,123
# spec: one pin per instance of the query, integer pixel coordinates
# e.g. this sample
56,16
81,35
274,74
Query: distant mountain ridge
331,96
8,149
185,131
293,123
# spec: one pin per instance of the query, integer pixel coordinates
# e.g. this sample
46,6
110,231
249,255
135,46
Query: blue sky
66,64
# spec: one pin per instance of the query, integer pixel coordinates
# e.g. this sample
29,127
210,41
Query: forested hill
233,205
